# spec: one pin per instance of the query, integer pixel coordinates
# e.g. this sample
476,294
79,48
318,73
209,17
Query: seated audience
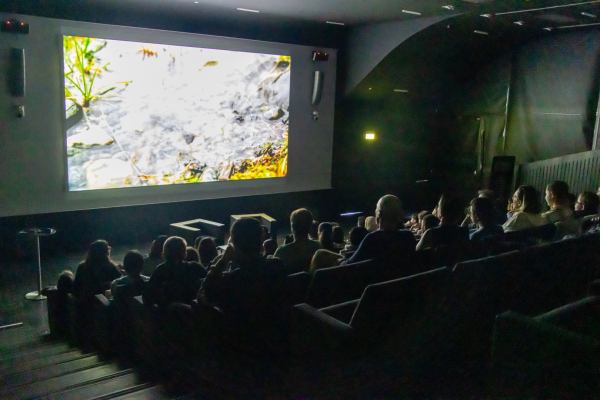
288,239
314,231
265,233
248,288
64,285
154,258
338,235
482,213
388,242
587,204
371,224
175,280
58,306
96,273
298,254
269,247
449,231
361,221
133,280
412,222
428,222
356,236
499,217
418,229
525,209
326,236
191,254
557,197
207,251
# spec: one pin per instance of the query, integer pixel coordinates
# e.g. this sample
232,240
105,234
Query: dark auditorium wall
457,86
424,145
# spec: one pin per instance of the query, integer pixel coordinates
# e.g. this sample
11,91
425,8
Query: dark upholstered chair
393,324
340,284
190,230
554,355
299,283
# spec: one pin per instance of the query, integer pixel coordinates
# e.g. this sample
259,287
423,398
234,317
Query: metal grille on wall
581,171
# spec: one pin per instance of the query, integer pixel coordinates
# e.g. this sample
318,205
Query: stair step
47,387
34,353
149,393
98,390
49,371
16,366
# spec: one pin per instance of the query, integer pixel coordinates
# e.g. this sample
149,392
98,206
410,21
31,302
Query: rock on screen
143,114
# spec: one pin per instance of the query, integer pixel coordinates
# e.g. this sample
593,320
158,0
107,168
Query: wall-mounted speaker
15,77
317,88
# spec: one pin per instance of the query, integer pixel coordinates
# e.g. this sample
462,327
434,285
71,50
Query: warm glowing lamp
370,136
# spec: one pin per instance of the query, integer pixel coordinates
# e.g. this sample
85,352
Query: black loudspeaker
501,177
15,77
317,88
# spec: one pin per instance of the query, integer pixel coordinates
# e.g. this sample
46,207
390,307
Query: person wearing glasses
587,204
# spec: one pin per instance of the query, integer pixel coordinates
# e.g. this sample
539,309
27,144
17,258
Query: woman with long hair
95,274
526,206
207,250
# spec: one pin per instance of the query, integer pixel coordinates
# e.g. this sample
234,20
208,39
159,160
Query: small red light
22,23
7,22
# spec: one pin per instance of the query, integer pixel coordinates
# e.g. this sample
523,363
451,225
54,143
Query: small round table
37,233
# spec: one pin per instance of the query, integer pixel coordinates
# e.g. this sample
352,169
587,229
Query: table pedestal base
35,296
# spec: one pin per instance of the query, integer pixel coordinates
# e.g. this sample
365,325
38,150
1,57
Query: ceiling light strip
481,32
417,13
588,15
254,11
401,90
577,26
334,23
549,8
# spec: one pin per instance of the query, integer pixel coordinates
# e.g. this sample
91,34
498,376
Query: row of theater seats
362,330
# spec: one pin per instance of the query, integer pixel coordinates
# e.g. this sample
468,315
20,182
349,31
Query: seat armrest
342,312
102,300
316,335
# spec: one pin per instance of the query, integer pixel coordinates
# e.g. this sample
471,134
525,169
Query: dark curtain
553,99
481,105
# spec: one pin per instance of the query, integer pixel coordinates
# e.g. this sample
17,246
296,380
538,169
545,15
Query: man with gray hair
389,241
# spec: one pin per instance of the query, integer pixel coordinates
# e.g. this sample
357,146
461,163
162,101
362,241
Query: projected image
141,114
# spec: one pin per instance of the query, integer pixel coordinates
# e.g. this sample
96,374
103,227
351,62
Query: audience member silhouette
356,236
133,283
483,214
428,222
96,273
191,254
249,289
207,251
338,235
154,257
525,209
557,197
175,280
388,242
450,210
269,247
371,224
587,204
298,254
326,236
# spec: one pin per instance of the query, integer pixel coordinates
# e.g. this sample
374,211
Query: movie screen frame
265,157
